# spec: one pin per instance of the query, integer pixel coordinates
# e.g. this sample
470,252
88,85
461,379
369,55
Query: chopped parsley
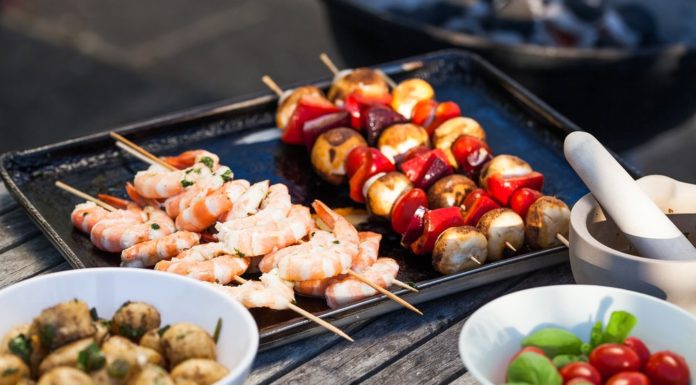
186,183
238,253
218,327
155,226
91,358
133,334
9,371
118,369
336,242
163,330
226,176
47,333
93,314
20,347
208,162
197,171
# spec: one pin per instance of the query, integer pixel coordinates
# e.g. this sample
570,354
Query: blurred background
624,70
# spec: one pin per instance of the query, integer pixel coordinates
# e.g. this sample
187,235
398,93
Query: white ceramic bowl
601,255
492,335
178,299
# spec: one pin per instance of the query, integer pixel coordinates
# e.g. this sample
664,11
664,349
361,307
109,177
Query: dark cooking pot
623,96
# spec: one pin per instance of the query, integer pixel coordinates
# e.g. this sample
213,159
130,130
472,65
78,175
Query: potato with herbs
11,335
184,340
133,319
330,151
200,371
12,369
63,323
66,355
65,376
151,375
120,347
153,340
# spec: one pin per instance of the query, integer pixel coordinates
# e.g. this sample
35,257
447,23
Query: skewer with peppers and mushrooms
424,167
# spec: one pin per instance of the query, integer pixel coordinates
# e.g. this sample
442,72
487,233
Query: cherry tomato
667,368
532,349
610,359
471,154
371,162
578,381
356,157
522,199
639,347
581,370
628,378
404,208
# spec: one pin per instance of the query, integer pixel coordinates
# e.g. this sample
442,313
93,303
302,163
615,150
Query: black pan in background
623,97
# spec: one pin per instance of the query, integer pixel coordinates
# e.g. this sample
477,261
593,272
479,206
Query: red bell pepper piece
410,154
426,168
309,107
475,211
522,199
371,162
435,222
471,154
405,207
502,188
430,114
356,104
473,196
415,227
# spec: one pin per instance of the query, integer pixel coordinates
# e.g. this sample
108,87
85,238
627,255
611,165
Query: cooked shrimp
140,201
148,253
366,257
271,292
189,158
156,182
221,269
328,256
249,202
204,212
273,208
263,239
122,229
203,187
86,215
349,289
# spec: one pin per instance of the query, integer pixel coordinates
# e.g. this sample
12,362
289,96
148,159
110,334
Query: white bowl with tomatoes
580,335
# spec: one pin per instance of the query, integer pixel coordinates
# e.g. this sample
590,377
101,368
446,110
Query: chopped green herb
336,242
226,176
239,253
188,171
133,334
91,358
9,371
93,314
186,183
218,327
163,330
197,170
20,347
118,369
208,162
155,226
46,334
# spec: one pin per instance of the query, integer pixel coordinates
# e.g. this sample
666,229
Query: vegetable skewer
240,280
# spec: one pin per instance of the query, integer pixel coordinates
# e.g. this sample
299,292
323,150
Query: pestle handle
645,225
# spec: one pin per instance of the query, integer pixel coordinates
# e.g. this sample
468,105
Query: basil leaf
619,327
596,334
564,359
532,368
554,341
586,349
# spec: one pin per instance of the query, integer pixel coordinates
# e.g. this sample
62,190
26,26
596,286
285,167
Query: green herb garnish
533,368
90,358
93,314
336,242
208,162
20,347
46,334
238,253
218,327
118,369
133,334
155,226
226,176
163,330
9,372
186,183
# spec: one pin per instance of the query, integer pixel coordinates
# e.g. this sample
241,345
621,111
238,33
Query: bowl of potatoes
123,327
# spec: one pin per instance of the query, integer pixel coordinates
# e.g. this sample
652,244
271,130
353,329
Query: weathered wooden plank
28,259
437,361
466,379
388,337
6,201
15,227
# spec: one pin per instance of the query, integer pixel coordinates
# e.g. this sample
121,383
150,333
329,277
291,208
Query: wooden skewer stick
142,151
563,239
384,291
307,315
328,63
404,285
272,85
134,153
85,196
510,246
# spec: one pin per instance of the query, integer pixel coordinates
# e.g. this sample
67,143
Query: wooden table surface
397,348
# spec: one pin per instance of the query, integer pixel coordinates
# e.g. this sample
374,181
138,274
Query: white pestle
644,224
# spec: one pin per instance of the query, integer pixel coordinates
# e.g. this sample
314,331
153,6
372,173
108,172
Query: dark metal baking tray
243,133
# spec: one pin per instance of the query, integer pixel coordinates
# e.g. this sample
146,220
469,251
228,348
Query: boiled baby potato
101,331
12,334
153,340
119,347
65,376
183,341
65,355
63,323
151,375
12,369
330,151
133,319
199,371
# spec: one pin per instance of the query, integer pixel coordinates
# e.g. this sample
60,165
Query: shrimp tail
138,199
117,202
